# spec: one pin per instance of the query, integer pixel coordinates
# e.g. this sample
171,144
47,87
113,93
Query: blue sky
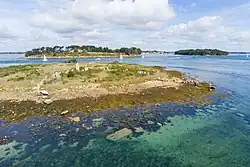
149,24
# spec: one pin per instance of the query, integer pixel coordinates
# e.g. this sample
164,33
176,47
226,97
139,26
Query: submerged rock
139,130
44,148
97,122
125,132
62,135
240,114
159,124
150,122
87,127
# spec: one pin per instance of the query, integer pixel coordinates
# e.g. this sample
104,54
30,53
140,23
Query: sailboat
44,58
142,56
121,57
247,55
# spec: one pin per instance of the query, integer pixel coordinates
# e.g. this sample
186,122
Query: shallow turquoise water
215,135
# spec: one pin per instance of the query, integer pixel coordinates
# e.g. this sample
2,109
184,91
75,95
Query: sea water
213,135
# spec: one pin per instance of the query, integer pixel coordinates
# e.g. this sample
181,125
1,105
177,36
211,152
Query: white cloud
135,14
5,34
82,14
208,32
193,5
200,29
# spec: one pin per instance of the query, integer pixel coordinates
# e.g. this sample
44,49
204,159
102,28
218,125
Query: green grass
28,70
89,74
17,78
122,71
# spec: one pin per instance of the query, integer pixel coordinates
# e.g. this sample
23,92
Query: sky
149,24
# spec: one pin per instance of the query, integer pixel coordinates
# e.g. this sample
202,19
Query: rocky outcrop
44,92
191,82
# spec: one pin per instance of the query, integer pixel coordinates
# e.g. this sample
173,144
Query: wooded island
81,51
201,52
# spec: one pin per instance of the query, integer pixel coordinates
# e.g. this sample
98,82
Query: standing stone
77,67
38,88
86,68
58,75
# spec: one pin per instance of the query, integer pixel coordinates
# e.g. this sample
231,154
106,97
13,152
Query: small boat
121,57
44,58
247,55
142,56
98,59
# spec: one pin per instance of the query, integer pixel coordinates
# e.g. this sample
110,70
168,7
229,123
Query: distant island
81,51
201,52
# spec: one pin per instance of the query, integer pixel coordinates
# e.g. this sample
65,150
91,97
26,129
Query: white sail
44,58
121,57
142,56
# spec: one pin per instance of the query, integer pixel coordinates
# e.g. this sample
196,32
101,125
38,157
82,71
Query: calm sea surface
214,135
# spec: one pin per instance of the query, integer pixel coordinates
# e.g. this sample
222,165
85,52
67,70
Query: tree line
201,52
84,48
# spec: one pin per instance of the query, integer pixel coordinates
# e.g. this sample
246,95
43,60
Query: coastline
97,86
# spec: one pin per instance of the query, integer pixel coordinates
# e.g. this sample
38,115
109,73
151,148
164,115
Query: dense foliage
201,52
80,49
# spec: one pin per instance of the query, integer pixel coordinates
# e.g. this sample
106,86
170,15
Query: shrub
70,74
72,61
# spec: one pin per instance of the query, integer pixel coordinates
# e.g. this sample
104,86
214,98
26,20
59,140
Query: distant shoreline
72,57
2,53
